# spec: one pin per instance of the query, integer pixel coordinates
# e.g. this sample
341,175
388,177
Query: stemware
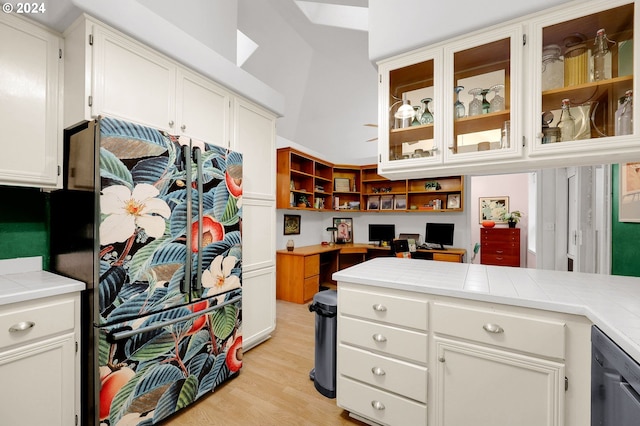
485,103
497,103
458,106
416,116
427,116
475,106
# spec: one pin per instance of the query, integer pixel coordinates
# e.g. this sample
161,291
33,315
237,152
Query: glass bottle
416,116
458,107
625,120
566,123
486,106
427,116
601,56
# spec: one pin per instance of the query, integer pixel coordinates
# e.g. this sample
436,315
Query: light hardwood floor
273,387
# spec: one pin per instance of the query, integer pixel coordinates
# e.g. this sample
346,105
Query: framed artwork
291,224
373,203
400,202
453,201
341,185
345,229
492,207
629,197
386,202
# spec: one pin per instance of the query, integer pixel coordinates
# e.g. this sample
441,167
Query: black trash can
325,305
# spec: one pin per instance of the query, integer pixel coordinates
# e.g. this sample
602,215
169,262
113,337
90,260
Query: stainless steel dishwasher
615,383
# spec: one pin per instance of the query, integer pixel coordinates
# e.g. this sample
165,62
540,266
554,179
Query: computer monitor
382,233
440,234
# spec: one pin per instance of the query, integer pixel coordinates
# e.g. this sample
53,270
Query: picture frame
400,202
291,224
492,207
453,201
345,229
386,202
373,202
341,185
629,192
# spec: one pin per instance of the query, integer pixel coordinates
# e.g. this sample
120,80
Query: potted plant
303,201
511,217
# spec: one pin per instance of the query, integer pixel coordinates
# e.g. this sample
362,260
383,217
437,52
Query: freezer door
153,366
167,217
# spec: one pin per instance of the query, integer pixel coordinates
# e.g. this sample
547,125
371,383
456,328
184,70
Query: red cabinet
500,246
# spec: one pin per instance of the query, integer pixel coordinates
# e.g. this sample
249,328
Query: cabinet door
486,387
132,82
202,109
487,68
594,104
259,306
42,383
29,111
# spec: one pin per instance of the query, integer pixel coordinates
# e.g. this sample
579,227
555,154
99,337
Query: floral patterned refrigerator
152,222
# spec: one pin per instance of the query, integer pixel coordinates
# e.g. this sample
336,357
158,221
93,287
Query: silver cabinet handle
379,308
493,328
441,359
377,371
379,338
183,127
22,326
377,405
171,123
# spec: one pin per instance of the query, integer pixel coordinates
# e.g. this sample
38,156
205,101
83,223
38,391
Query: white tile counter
608,301
23,279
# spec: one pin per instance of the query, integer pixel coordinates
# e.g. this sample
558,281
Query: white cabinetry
39,364
30,113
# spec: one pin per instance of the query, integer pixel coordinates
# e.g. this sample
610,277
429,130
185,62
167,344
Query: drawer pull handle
22,326
441,359
377,371
493,328
499,251
379,338
380,308
377,405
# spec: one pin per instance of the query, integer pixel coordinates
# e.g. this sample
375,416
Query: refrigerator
152,223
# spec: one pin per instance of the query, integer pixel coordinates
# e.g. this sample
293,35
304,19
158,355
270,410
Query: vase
512,224
290,245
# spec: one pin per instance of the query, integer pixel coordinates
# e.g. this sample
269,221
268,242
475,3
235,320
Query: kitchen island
447,343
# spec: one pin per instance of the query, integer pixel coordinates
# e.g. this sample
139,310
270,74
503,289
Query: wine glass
485,103
458,106
416,116
427,116
497,103
475,106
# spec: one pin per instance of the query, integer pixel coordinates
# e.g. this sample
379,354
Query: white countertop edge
48,291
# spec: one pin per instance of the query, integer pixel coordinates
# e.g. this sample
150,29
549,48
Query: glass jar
552,67
576,60
566,123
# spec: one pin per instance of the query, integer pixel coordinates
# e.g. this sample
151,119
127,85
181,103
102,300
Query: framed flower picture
491,208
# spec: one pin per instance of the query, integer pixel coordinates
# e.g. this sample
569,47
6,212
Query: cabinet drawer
311,287
39,319
392,309
500,233
500,260
386,339
390,374
311,265
501,248
444,257
518,332
380,406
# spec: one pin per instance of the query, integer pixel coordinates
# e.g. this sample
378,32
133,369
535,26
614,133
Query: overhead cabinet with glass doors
491,101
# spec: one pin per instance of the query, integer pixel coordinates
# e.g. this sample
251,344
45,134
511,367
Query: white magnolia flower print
126,210
219,277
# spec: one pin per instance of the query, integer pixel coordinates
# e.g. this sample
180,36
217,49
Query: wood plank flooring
273,387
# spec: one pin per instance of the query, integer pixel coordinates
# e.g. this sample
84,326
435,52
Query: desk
300,272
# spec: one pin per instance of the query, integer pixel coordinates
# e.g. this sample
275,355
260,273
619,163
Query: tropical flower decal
212,231
127,211
219,275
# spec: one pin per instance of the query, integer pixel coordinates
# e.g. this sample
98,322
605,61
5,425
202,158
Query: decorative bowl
488,223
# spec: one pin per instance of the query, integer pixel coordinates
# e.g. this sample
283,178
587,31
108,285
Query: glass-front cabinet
584,81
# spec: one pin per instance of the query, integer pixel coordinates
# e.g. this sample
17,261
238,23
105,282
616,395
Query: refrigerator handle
186,283
197,156
121,333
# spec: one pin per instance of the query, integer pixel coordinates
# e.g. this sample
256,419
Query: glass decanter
497,103
475,106
427,116
416,116
458,107
486,106
566,123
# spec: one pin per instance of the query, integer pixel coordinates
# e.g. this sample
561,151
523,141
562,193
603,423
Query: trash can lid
327,299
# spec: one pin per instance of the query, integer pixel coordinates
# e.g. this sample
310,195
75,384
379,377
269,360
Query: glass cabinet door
582,81
409,115
481,87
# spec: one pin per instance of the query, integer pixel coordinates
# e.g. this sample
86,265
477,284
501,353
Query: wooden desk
300,272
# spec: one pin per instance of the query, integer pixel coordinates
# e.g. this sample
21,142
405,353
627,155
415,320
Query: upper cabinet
491,101
30,113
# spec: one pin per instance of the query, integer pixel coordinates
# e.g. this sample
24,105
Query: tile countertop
23,279
611,302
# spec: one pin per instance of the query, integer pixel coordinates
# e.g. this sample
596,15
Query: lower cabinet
500,246
39,363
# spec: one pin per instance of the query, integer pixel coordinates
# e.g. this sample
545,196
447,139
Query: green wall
24,230
625,236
